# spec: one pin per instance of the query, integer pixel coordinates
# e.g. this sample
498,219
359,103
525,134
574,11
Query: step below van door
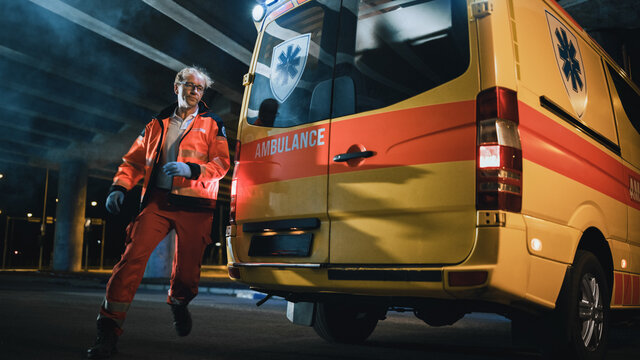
403,135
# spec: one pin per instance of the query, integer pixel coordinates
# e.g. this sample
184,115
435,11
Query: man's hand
114,201
175,168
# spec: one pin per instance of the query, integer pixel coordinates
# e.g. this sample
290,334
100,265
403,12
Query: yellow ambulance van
442,156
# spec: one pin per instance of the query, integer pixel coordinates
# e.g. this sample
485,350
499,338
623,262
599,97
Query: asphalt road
46,320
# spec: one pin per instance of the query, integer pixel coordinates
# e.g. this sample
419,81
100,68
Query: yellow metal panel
284,199
496,54
540,73
512,267
634,231
598,114
551,196
558,241
634,259
545,281
539,70
418,214
620,251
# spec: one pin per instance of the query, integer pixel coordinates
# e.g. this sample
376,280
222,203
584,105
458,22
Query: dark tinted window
628,97
295,66
390,51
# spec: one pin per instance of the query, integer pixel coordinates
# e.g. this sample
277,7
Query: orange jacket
203,146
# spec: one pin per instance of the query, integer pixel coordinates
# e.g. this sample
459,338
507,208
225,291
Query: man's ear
175,88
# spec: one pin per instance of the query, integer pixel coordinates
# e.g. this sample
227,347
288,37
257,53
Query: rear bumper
514,276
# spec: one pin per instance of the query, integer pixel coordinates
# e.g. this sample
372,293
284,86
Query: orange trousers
193,229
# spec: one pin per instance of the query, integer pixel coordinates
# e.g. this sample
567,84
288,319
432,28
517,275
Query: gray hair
193,70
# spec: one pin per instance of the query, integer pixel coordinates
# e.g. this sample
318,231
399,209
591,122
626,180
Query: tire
582,314
345,323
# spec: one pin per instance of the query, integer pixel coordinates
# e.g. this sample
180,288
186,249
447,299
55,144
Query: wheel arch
594,241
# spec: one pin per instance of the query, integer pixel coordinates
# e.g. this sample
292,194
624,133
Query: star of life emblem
570,64
287,65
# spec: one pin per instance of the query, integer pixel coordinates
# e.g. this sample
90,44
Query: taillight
234,185
499,157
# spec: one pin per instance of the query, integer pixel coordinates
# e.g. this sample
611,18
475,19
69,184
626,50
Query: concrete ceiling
82,77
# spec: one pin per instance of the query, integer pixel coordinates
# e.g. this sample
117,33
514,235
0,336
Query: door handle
353,155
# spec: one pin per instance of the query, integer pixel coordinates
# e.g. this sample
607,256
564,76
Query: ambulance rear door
403,135
282,173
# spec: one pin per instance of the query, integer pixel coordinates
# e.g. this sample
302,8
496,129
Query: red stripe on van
628,291
617,286
436,133
557,148
292,155
636,290
424,135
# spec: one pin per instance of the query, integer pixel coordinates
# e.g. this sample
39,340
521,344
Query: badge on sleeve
570,64
287,65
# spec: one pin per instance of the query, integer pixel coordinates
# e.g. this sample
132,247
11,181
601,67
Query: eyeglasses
191,86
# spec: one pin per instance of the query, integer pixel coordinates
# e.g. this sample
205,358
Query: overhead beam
78,78
90,23
66,122
11,160
69,103
199,27
37,125
13,121
32,139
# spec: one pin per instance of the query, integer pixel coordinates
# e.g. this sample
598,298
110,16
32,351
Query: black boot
181,319
105,344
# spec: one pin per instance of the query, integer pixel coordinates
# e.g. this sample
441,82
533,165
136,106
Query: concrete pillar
161,260
72,197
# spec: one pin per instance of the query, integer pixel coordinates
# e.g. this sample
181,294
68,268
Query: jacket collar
168,111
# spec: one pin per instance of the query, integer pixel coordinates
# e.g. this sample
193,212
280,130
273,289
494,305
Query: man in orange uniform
181,155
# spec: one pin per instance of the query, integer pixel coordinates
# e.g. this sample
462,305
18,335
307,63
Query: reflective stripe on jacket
203,146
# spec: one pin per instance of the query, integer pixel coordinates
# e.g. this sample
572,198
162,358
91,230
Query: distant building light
56,199
218,244
1,175
29,214
94,203
98,241
16,252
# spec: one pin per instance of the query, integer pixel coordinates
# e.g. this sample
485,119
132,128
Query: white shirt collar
187,120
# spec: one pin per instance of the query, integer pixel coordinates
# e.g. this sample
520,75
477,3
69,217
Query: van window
390,51
295,65
628,97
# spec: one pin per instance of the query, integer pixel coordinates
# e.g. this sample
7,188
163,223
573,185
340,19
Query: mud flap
301,313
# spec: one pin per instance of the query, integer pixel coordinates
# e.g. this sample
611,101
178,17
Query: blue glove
114,201
175,168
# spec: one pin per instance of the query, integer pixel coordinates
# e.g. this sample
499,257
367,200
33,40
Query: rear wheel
346,323
582,314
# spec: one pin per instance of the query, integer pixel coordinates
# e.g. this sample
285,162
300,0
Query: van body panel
399,220
497,61
558,242
542,72
413,201
573,169
630,151
545,281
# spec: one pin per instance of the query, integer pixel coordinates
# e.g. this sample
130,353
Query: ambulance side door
282,173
